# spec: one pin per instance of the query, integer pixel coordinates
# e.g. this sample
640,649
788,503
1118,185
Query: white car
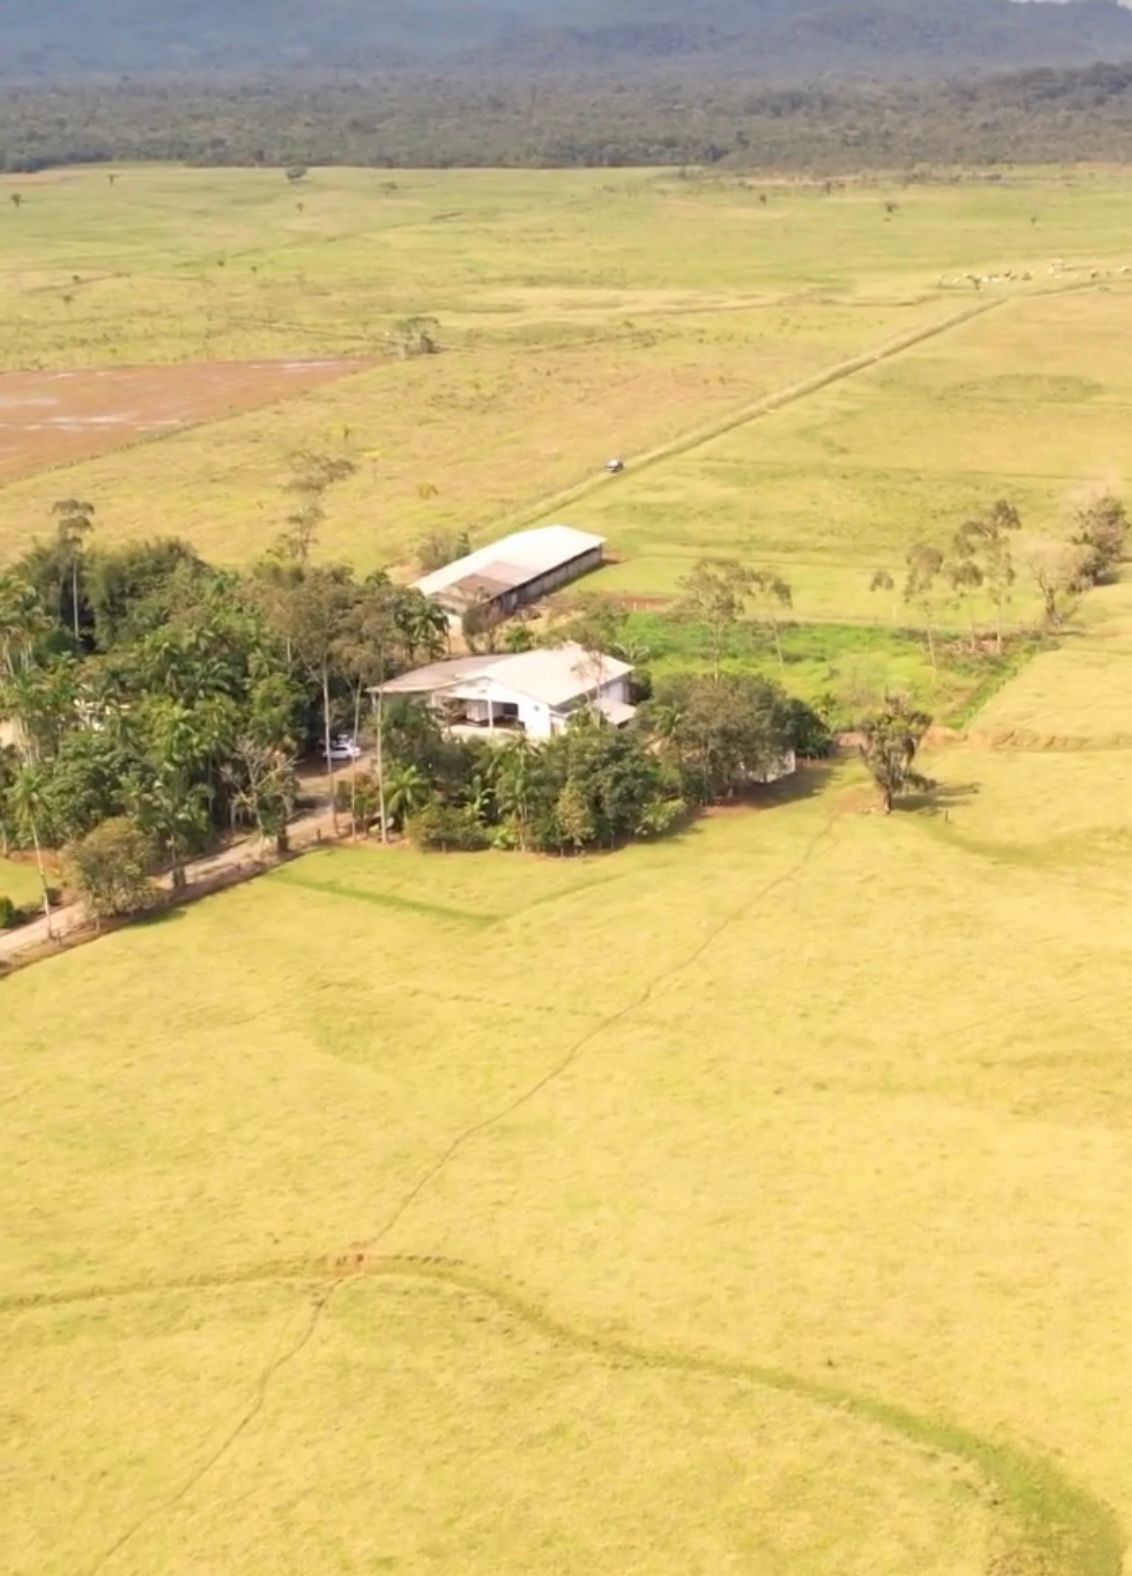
343,748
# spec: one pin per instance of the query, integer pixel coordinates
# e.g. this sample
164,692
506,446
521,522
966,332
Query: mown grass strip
389,900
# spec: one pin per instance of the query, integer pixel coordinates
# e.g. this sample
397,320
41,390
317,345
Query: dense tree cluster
154,704
602,119
139,684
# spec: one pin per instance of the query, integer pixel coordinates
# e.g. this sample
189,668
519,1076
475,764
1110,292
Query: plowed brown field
48,418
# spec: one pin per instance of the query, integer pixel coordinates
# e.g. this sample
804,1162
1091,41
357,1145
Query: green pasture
843,669
476,437
750,1201
182,265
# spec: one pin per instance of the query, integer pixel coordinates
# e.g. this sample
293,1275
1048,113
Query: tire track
1066,1531
298,1269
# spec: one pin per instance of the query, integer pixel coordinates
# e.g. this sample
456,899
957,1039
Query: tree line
983,560
601,119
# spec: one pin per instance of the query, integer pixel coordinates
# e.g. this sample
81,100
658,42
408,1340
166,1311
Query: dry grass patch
423,1428
806,1089
54,418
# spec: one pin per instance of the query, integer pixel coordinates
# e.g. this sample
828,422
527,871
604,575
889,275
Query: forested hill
770,39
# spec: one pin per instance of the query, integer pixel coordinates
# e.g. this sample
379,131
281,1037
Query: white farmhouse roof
514,560
556,676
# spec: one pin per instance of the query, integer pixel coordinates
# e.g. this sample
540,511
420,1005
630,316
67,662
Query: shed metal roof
555,675
516,559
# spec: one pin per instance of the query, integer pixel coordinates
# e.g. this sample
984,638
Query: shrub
503,837
1102,531
447,828
363,796
660,816
640,686
439,547
10,915
110,868
808,731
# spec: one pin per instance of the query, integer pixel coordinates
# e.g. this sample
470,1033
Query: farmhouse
513,572
531,692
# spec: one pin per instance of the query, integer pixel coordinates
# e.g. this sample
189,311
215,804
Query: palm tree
28,799
22,623
664,720
368,634
75,522
479,793
630,649
518,638
170,799
423,625
175,811
406,790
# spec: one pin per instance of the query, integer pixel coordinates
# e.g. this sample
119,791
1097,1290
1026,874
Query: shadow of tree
939,799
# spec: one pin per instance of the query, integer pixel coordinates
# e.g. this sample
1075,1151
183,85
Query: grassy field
1079,696
19,881
588,313
809,383
754,1201
750,1202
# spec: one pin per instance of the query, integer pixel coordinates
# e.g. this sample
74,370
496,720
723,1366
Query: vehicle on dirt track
343,747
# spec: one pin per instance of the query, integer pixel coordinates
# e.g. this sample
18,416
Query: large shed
515,571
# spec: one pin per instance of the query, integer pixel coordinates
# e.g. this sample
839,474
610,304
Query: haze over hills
765,38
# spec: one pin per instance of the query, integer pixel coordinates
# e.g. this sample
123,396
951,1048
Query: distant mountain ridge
768,38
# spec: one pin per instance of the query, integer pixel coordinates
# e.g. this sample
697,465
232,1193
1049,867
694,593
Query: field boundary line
755,410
